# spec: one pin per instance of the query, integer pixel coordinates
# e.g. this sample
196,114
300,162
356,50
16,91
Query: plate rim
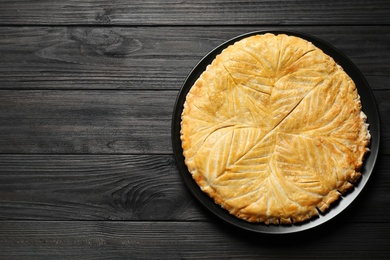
369,107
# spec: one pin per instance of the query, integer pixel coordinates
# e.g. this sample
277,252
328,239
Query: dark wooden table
87,90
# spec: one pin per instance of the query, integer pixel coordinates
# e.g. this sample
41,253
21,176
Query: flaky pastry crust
273,130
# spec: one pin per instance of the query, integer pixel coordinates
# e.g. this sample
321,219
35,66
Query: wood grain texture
153,58
130,187
179,240
86,121
102,121
205,12
75,187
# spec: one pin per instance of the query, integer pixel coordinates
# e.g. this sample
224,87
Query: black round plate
369,108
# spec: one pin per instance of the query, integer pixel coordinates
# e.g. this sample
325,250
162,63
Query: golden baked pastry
273,130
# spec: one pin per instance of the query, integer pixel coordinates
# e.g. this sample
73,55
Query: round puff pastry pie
273,130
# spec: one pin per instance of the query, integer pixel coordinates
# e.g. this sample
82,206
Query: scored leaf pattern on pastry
273,130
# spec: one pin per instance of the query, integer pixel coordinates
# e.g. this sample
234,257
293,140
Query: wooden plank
86,121
130,187
75,187
152,57
383,105
201,12
102,121
178,240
